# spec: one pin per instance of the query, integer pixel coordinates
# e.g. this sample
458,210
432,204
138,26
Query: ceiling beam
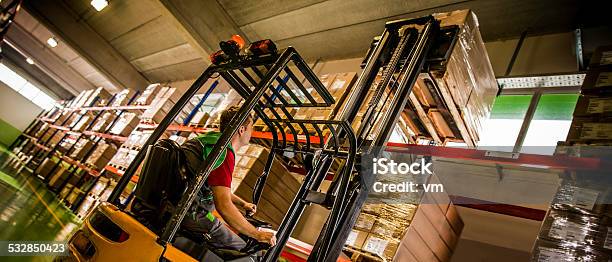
65,23
206,22
47,61
17,62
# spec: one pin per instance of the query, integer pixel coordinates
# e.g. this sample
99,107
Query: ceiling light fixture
99,4
52,42
30,61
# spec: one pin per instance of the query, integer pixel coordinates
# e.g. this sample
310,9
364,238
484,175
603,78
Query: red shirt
222,176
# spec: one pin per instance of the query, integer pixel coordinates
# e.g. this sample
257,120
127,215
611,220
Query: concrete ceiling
341,29
144,34
169,40
61,63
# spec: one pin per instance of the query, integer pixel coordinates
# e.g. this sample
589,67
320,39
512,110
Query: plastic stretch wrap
576,228
468,76
549,251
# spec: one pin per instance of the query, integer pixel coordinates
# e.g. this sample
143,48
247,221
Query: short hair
228,114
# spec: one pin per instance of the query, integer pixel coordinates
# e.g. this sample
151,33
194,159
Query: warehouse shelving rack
31,146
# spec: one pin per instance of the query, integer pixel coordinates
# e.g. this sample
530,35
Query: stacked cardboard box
99,192
80,100
103,122
45,168
68,143
56,179
123,158
81,148
232,99
281,186
188,108
101,155
199,119
55,138
82,124
101,94
428,231
161,105
592,123
59,116
137,139
553,251
126,123
122,98
578,223
577,226
452,103
380,227
148,94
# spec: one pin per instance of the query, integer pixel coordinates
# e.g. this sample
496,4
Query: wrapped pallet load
454,101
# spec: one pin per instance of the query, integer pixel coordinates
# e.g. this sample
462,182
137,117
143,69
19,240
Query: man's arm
223,198
238,201
250,208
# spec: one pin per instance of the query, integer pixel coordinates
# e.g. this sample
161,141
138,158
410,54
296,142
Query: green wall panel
8,133
550,107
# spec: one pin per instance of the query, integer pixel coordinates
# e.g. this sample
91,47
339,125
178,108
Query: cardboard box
101,155
365,222
576,228
58,177
279,190
593,106
122,98
598,81
340,88
423,94
44,169
199,119
552,251
81,99
100,94
81,148
126,123
82,124
357,238
587,196
161,105
103,122
602,57
148,94
440,124
590,129
468,76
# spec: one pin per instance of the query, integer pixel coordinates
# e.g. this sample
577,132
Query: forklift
405,49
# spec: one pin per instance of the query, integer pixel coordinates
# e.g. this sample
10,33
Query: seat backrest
161,184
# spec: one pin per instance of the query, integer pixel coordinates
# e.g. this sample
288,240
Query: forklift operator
216,192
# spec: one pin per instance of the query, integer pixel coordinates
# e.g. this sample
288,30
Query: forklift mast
405,49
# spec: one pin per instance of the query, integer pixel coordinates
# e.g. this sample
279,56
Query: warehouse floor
28,211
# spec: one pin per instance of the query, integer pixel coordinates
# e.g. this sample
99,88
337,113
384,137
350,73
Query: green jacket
208,141
205,201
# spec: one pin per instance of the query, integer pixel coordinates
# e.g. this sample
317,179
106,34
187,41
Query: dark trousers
214,233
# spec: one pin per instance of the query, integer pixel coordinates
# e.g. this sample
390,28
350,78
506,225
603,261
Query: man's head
243,135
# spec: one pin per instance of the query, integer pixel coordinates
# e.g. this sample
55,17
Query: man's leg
208,228
222,237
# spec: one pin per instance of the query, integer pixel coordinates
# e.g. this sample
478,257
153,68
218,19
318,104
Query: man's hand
250,208
266,237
